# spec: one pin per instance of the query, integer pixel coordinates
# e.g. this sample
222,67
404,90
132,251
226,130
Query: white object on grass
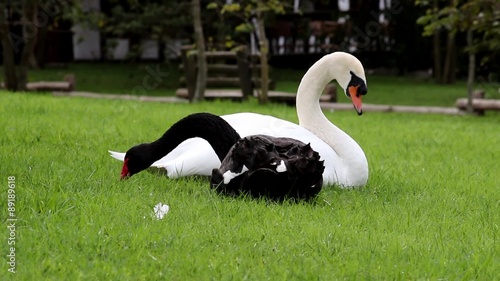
161,210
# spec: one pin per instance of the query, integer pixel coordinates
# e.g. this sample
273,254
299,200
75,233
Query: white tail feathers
117,155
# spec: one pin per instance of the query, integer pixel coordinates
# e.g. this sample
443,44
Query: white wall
87,42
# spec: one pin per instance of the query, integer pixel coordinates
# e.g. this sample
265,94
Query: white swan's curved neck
310,89
312,118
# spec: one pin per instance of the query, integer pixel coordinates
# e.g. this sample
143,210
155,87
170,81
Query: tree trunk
264,50
41,48
453,62
449,65
30,32
244,72
437,57
201,79
471,71
448,76
437,50
9,65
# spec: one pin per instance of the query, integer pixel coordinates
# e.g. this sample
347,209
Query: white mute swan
345,162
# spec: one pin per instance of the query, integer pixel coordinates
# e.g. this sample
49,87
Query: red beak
356,99
125,173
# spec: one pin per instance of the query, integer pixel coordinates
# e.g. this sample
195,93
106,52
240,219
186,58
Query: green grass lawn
430,210
128,78
116,78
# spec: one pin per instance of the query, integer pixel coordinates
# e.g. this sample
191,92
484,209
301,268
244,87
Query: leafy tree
18,29
444,67
480,19
149,19
23,24
480,16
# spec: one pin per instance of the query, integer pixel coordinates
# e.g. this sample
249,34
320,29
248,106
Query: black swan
210,127
260,165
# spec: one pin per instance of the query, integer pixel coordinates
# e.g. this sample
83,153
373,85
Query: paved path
121,97
324,105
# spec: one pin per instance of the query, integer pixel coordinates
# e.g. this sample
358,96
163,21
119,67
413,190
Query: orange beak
356,99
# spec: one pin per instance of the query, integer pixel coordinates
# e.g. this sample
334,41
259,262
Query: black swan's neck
219,134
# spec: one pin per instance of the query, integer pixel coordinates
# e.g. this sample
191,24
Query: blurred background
423,39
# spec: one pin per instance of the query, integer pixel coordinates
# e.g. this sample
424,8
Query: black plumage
265,166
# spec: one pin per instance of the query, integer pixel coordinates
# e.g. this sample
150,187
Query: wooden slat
227,81
225,67
223,55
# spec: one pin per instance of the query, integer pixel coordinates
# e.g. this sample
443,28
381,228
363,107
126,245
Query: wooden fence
225,70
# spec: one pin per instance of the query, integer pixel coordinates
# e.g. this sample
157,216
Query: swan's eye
357,83
362,90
